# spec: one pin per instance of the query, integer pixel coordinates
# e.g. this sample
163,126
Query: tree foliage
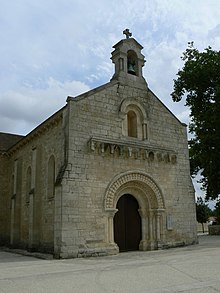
199,83
202,211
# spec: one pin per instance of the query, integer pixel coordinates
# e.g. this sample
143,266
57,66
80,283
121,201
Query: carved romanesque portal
146,199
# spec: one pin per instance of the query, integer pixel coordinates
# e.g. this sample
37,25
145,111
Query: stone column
145,130
111,246
150,225
110,236
121,64
151,232
162,224
143,244
158,215
160,227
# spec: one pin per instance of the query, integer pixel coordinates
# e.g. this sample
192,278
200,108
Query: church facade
108,172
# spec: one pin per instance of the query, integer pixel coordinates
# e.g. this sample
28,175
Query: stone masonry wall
97,115
36,218
5,203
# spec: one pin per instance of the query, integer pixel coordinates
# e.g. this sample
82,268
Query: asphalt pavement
194,269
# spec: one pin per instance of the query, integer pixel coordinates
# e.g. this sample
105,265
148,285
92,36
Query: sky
53,49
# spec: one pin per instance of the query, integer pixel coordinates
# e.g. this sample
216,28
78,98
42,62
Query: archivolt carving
132,102
136,126
135,180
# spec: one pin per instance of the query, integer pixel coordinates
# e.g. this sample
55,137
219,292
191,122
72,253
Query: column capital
159,212
143,213
111,212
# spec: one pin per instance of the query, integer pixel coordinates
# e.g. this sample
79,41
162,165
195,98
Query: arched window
51,177
28,184
132,124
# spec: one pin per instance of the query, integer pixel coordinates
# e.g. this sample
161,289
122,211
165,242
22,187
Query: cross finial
127,33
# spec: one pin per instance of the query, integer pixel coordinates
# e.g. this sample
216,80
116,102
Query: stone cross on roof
127,33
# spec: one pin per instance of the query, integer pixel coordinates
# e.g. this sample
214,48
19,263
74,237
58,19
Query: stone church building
108,172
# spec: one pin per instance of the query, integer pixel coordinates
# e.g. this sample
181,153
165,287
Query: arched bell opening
132,63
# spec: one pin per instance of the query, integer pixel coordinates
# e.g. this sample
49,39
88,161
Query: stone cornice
130,149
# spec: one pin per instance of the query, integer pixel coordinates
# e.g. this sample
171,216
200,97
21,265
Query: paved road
194,269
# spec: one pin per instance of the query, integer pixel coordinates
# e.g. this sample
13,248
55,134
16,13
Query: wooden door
127,224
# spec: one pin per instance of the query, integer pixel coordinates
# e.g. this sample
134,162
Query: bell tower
128,61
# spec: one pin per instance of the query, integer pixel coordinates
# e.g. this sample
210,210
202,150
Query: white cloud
183,116
42,41
25,108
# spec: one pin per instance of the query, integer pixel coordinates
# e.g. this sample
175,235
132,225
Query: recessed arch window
134,119
132,123
51,177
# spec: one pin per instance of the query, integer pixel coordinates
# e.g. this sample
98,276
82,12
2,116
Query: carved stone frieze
134,150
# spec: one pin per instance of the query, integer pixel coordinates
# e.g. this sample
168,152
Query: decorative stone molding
135,177
151,206
136,150
129,102
133,105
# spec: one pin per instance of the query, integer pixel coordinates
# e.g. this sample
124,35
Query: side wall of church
31,201
93,168
5,203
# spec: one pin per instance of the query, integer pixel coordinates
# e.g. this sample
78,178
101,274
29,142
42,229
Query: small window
132,124
51,177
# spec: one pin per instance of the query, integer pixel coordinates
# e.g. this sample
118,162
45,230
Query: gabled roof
130,40
172,114
7,140
93,91
113,83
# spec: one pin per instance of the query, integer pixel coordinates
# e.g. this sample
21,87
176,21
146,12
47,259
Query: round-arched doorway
127,224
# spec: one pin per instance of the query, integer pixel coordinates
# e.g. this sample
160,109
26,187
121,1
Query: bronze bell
131,69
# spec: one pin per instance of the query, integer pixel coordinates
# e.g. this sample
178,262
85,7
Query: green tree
202,212
198,82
